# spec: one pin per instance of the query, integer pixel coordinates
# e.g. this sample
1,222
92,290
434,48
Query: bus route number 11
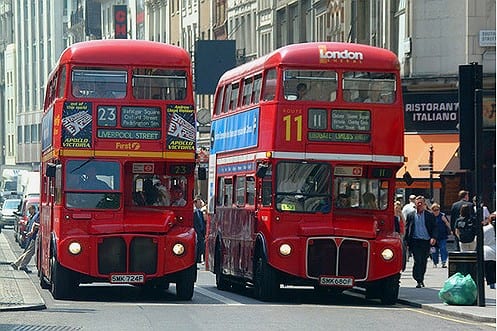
288,127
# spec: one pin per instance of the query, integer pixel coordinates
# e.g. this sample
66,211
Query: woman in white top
489,249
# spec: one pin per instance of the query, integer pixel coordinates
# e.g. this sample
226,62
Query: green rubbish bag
459,290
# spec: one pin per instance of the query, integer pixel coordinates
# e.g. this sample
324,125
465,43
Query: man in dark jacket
455,212
421,234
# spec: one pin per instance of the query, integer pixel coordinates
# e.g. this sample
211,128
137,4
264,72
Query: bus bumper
150,255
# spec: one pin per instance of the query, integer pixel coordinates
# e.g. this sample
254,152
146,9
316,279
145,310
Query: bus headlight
387,254
285,249
74,248
178,249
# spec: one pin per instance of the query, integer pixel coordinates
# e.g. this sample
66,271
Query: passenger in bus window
164,196
343,201
373,97
347,95
301,91
80,89
150,192
177,196
386,97
369,201
361,95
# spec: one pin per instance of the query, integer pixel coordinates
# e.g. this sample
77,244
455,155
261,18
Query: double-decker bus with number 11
306,142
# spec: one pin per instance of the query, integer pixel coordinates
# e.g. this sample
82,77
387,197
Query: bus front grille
326,257
113,256
143,255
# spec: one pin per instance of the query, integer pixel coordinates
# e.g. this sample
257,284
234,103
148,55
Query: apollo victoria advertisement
181,132
76,125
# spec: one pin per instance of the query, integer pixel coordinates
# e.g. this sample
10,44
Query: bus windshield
92,184
303,187
316,85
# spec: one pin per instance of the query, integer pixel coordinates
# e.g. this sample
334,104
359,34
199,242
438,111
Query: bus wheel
390,290
222,282
266,284
62,285
186,283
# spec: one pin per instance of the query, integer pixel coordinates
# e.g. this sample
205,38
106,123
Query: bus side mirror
261,171
202,173
50,170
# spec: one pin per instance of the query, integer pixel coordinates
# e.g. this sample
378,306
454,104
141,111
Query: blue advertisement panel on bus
235,132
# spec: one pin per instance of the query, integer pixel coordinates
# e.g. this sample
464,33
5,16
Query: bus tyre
62,285
186,283
222,282
390,290
266,284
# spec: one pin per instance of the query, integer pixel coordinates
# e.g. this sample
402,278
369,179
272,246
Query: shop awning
417,151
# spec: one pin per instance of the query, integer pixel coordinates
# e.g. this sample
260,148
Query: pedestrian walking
489,250
455,212
440,248
410,206
421,234
485,212
200,227
466,229
22,262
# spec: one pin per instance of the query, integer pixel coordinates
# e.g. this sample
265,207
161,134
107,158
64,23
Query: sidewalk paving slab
17,290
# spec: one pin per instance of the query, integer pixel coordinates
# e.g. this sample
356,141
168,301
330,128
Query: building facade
431,38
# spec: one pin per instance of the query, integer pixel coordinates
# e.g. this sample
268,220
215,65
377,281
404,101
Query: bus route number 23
293,127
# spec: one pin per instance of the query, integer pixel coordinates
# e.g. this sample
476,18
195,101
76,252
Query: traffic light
470,80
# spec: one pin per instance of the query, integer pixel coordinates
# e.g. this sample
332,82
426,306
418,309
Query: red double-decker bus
118,161
306,142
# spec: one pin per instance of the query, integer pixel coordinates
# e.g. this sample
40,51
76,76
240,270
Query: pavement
18,292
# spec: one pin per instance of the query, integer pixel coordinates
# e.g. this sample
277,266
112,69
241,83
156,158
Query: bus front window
303,187
360,193
91,184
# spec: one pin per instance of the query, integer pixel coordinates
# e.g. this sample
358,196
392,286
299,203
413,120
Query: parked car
7,216
22,218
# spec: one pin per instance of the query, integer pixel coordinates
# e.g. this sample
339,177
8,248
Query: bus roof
124,52
317,55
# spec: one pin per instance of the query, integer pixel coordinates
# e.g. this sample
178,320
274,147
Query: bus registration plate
336,281
127,278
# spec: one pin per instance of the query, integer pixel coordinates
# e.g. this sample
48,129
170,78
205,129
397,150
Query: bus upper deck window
99,83
310,85
369,87
162,84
